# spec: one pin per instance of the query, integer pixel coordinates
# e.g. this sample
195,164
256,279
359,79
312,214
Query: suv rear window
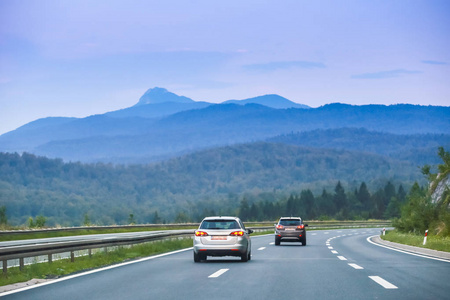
287,222
219,224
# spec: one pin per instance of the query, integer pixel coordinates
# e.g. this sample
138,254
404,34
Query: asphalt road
336,264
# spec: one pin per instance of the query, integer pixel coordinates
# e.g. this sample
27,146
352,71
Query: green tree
182,217
364,198
244,210
40,221
31,223
340,199
156,218
3,217
131,219
418,213
86,220
308,203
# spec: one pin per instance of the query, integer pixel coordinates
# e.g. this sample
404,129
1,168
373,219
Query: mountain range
163,125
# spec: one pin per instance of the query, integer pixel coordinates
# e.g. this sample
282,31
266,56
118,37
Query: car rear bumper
290,234
220,250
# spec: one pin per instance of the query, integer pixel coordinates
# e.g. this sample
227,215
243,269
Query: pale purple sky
78,58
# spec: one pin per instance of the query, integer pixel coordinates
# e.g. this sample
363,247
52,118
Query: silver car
222,236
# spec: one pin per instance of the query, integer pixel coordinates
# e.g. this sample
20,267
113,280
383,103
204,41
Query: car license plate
218,238
290,229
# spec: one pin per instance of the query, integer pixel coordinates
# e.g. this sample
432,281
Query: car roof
221,218
290,218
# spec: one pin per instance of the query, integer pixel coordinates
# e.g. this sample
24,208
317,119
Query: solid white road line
341,258
218,273
262,248
383,283
355,266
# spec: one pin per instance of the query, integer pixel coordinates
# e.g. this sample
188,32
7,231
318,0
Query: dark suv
290,229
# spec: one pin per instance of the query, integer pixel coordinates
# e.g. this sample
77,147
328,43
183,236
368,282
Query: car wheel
304,241
277,241
196,257
244,257
249,255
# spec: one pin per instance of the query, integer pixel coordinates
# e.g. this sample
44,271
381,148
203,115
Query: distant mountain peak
161,95
270,100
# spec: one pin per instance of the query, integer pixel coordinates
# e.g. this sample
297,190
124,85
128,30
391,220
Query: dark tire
203,256
277,241
304,241
244,257
196,257
250,255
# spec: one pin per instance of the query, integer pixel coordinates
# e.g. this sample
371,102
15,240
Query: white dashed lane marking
218,273
262,248
334,252
355,266
341,258
383,283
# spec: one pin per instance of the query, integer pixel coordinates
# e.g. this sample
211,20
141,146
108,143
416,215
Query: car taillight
301,226
237,233
200,233
279,226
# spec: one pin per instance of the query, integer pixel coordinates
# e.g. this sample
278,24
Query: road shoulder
412,249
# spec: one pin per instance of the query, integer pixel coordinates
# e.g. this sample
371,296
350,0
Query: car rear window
290,222
219,224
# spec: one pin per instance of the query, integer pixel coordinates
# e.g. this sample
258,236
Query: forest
258,181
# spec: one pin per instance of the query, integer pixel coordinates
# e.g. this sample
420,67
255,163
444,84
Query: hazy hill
274,101
416,148
227,124
163,125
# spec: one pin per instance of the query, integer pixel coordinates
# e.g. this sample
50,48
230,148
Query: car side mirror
305,225
250,231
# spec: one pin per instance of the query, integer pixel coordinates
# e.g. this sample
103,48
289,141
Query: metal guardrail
313,224
31,250
23,251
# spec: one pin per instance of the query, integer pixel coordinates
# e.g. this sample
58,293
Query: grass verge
64,267
433,242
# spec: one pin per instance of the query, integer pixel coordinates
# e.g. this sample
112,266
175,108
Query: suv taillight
279,226
237,233
200,233
301,226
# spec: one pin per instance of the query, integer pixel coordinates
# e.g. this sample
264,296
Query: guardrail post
21,264
5,266
90,252
72,256
50,258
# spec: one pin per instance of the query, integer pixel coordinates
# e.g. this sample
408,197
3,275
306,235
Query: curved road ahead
336,264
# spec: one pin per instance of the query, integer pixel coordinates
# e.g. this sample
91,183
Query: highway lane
289,270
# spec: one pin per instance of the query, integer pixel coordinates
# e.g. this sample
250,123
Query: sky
79,58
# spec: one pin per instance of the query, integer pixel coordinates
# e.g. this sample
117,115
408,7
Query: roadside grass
433,242
100,259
